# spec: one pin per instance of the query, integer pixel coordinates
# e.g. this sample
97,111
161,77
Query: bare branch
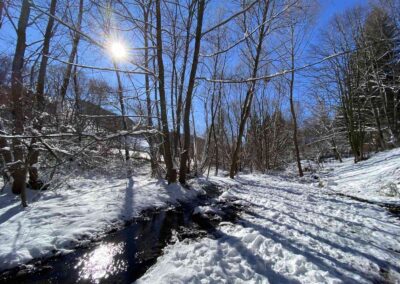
230,18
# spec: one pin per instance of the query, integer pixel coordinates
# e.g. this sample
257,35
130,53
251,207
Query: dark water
125,255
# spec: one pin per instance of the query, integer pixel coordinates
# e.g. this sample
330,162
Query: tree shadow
353,251
334,217
328,198
319,228
260,185
15,246
10,213
257,263
312,255
127,209
343,269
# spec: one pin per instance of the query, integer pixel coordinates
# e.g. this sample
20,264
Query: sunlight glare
102,262
118,50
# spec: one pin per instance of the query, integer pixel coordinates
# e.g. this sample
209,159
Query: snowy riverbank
82,210
291,230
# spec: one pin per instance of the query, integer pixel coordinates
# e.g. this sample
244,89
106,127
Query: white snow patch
376,179
204,210
226,196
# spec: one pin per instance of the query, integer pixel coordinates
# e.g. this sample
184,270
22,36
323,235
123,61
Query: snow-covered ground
81,210
292,231
376,179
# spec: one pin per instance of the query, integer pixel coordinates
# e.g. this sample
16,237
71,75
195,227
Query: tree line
245,86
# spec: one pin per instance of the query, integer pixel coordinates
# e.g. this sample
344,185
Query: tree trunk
71,58
177,139
43,64
171,171
292,110
123,110
336,152
153,152
381,139
249,97
195,154
19,167
188,103
76,118
174,80
5,154
33,155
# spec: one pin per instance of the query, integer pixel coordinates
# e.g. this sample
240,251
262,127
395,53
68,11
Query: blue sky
328,8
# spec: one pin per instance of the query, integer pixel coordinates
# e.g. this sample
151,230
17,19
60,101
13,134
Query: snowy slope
376,179
289,232
71,215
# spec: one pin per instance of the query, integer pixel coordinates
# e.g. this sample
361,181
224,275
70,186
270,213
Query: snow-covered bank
289,232
376,179
84,209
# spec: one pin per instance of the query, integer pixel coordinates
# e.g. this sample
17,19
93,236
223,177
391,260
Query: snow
293,231
204,210
290,230
226,196
137,153
376,179
83,210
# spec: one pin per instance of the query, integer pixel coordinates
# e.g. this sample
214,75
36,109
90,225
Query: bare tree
146,7
188,102
17,94
179,101
33,156
171,171
246,107
292,109
72,55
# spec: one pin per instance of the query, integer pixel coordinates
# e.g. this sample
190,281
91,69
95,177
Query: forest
188,91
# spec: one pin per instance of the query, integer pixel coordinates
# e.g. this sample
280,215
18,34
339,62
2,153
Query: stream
125,255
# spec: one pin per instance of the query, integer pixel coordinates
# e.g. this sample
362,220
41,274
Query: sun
118,50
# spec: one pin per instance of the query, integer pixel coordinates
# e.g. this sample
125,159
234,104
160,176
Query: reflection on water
102,262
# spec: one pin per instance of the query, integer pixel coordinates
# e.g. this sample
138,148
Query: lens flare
118,50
